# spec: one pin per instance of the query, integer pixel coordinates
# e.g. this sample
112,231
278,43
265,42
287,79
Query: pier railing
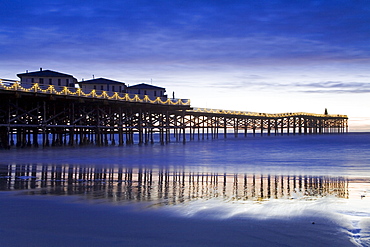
12,85
267,115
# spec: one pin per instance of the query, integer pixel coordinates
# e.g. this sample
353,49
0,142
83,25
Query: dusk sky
261,56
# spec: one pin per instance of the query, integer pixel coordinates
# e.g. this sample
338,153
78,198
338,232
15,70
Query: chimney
26,71
40,69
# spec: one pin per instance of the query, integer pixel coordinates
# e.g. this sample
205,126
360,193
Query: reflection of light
166,186
359,188
92,94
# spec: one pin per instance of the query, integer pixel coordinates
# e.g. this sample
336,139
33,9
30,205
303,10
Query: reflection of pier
164,186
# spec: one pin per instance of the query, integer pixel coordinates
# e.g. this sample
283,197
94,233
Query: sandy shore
68,221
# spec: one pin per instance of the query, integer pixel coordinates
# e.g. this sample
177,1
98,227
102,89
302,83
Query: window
101,87
59,82
155,93
67,82
138,91
113,88
33,80
50,81
41,80
145,92
95,87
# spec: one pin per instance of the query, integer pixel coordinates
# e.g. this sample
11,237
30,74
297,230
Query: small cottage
47,77
102,84
146,89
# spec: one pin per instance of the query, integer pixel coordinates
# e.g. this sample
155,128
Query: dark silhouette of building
146,89
102,84
47,77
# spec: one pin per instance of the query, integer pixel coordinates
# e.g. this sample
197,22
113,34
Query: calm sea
251,168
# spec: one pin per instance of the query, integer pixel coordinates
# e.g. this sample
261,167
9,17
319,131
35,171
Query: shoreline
61,221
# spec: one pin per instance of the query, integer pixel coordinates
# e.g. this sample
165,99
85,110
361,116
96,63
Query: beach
190,195
35,221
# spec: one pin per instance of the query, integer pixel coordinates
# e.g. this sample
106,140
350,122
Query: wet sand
68,221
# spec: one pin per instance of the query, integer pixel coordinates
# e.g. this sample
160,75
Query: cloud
335,87
202,32
337,91
327,87
336,84
227,41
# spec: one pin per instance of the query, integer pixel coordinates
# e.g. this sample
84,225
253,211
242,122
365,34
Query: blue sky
263,56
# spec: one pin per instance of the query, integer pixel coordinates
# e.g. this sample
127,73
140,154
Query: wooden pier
37,115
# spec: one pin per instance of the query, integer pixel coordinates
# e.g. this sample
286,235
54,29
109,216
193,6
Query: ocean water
252,167
257,177
343,155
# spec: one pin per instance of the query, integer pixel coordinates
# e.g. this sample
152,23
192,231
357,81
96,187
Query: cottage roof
101,81
146,86
44,73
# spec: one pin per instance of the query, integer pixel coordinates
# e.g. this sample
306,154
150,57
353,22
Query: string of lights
35,88
256,114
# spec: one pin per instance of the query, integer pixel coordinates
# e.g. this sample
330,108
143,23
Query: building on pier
103,84
47,77
146,89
